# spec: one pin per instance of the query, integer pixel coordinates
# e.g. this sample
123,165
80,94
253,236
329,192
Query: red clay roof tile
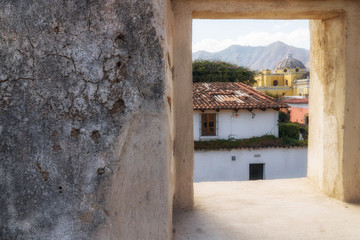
297,101
231,95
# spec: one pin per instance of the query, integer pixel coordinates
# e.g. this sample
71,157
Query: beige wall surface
351,142
184,140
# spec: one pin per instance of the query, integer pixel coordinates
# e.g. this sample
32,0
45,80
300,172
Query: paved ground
272,209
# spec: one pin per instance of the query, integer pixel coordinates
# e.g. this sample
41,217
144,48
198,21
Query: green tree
289,130
218,71
284,117
273,95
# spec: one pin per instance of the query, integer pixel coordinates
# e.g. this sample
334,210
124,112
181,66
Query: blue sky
216,35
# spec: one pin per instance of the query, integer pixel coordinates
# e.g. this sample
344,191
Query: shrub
289,130
284,117
304,130
273,95
294,142
254,142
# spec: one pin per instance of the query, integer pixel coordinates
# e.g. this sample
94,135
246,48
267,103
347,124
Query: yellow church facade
289,78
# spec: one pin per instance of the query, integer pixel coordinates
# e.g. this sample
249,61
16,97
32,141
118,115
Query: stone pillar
184,134
334,151
352,105
84,121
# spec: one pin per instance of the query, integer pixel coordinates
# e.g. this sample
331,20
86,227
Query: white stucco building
238,125
233,111
237,111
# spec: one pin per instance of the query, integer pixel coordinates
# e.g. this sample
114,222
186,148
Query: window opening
208,124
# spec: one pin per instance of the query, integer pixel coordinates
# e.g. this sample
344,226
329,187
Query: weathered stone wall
335,120
327,64
183,109
84,136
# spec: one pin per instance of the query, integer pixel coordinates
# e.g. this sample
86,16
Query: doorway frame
333,164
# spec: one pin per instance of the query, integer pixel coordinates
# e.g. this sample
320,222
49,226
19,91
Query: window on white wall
208,124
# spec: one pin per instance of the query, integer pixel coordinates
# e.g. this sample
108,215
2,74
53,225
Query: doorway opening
256,171
331,151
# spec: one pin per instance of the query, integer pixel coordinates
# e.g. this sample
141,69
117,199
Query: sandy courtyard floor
271,209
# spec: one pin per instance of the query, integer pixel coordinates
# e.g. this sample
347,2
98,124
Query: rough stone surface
75,76
334,137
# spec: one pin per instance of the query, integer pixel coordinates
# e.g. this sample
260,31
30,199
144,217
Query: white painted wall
243,126
279,163
298,105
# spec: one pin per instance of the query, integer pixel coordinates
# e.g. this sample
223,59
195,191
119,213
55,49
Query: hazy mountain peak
261,57
278,43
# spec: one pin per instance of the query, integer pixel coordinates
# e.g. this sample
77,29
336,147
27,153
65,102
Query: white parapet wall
224,165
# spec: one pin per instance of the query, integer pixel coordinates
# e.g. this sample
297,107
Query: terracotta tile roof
234,95
297,101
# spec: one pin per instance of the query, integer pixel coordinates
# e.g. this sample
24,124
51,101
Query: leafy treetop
218,71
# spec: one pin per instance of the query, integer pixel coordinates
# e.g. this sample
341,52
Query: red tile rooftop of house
297,101
231,95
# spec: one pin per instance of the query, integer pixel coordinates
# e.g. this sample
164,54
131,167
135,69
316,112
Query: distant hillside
257,57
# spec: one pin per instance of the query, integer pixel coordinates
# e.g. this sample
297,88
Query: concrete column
184,139
351,171
333,163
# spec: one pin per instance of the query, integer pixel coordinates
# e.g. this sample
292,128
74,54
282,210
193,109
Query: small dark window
208,124
285,70
306,120
286,82
256,171
296,70
275,83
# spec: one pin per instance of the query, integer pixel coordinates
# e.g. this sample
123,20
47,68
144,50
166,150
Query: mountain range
256,58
